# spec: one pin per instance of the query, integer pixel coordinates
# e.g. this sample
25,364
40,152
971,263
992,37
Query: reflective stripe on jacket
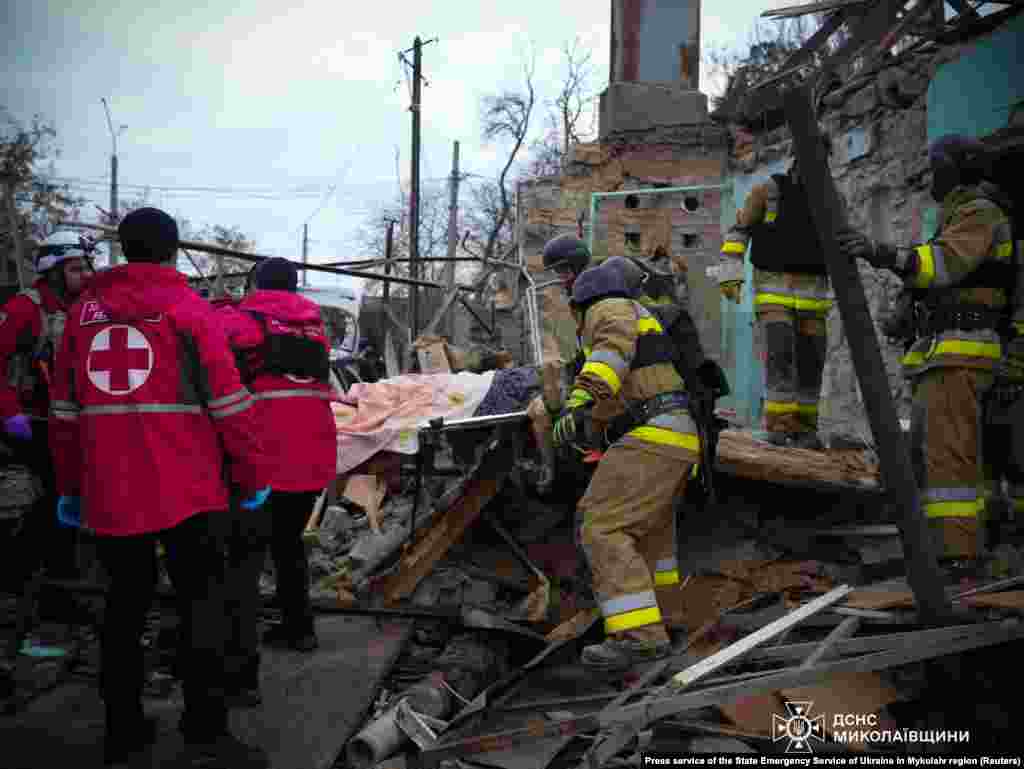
793,291
611,330
973,231
149,413
294,413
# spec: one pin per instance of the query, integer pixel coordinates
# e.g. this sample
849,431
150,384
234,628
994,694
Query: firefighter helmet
566,252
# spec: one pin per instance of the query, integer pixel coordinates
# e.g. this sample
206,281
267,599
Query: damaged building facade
655,131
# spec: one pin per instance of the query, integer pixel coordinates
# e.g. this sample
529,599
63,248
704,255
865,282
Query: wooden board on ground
1012,600
880,599
451,524
739,453
312,704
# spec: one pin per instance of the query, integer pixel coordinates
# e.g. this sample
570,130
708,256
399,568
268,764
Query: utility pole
388,241
115,245
453,237
414,197
305,254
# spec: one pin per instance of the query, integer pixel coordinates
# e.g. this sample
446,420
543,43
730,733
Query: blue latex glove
69,511
257,500
19,426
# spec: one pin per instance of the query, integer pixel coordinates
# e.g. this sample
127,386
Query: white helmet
60,246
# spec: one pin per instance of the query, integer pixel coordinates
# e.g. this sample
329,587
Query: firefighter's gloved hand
257,500
69,511
881,255
19,426
732,290
568,427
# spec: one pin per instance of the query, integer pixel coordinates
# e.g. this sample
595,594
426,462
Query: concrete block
641,106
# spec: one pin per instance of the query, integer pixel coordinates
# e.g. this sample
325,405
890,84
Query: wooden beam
897,472
827,648
741,647
476,492
802,10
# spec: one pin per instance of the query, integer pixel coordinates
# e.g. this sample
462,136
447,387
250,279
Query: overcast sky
257,108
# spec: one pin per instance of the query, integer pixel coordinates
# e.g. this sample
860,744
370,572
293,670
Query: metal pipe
470,423
247,257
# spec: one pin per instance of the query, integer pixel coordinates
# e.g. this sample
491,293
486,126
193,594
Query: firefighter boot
626,650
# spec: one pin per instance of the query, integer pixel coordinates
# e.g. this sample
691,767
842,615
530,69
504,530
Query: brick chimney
655,66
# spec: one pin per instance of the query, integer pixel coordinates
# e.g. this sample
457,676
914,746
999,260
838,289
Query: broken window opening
632,201
632,239
691,203
691,240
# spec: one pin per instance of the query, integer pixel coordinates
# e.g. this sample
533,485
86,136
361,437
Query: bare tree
371,236
575,95
506,117
31,202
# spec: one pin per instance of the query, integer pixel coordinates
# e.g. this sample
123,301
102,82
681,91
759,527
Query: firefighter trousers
628,535
945,448
1003,445
794,344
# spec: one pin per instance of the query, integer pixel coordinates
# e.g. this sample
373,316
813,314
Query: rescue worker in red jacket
280,344
31,324
148,414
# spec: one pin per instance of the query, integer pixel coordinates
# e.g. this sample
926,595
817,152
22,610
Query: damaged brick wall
651,226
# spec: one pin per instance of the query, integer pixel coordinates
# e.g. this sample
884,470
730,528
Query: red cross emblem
120,360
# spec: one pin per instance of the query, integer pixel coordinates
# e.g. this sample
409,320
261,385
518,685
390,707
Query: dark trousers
42,542
279,524
195,564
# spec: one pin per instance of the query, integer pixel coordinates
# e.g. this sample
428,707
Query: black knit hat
148,235
276,274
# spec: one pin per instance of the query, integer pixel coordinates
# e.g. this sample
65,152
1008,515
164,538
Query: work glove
732,290
19,426
568,426
881,255
256,500
69,511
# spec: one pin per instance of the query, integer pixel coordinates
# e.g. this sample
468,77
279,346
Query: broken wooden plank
640,715
802,10
1012,600
475,493
741,647
739,453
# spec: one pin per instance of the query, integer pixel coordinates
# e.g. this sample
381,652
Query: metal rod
247,257
470,423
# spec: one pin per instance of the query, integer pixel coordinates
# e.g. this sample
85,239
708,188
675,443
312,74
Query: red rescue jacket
294,412
148,407
23,385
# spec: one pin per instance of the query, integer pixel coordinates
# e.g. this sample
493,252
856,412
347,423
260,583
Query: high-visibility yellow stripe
794,302
1004,250
662,578
1018,505
577,398
781,407
632,619
666,437
604,372
807,408
954,509
990,350
648,326
1018,326
732,247
925,267
770,216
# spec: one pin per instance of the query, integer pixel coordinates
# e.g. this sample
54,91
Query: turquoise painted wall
745,369
974,94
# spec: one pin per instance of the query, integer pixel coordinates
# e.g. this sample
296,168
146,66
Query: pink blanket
384,416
